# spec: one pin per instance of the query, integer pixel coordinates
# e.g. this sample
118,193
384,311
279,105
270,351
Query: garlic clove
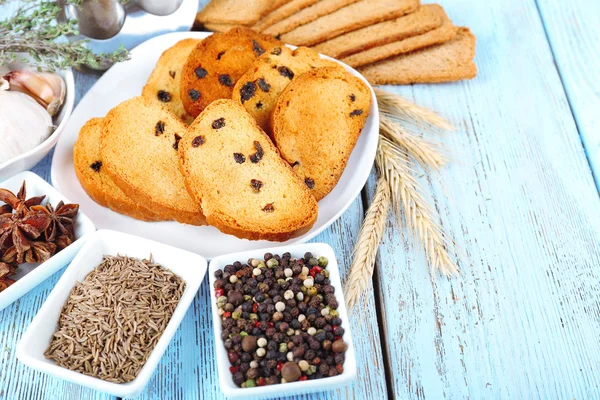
24,124
48,89
59,87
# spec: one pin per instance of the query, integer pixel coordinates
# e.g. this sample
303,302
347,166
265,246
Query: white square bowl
189,266
30,275
229,388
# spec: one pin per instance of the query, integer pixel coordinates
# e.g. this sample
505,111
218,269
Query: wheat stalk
369,237
402,125
426,153
408,112
405,191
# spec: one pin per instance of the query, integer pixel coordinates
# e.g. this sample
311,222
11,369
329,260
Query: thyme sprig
34,29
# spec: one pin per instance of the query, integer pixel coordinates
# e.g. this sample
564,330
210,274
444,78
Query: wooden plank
16,380
574,34
522,320
188,368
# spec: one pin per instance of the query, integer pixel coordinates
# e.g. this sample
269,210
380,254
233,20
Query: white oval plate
126,80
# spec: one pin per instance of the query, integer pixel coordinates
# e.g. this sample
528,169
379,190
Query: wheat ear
407,112
369,237
407,197
426,153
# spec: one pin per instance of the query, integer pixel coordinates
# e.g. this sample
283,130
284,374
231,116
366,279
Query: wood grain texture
522,320
574,34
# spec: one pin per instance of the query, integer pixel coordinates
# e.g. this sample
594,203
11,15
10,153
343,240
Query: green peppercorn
243,334
334,313
312,291
237,314
221,301
303,290
247,297
261,265
325,273
313,261
253,316
228,307
250,383
283,348
272,263
280,281
323,261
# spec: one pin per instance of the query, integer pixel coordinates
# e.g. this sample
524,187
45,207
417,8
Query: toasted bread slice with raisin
163,85
138,148
244,187
94,179
316,123
216,64
258,89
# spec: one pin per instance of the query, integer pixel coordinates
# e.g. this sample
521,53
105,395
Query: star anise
5,283
61,220
6,270
19,203
19,231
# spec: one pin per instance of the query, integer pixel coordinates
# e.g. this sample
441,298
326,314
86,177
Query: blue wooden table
523,318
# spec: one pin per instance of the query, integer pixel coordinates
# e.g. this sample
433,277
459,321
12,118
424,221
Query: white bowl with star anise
40,233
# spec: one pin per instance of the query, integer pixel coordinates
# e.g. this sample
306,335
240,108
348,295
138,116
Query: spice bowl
29,276
189,266
30,158
228,387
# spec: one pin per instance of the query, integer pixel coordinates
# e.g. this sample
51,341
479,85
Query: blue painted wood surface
572,29
522,320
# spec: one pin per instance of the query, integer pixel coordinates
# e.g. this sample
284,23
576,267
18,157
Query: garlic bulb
47,88
24,124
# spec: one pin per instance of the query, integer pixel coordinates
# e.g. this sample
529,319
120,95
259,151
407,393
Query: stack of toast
236,131
388,41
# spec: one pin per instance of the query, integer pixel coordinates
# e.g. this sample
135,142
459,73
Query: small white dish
126,80
189,266
30,275
30,158
229,388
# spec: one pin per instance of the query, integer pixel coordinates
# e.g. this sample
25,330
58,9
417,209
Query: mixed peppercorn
280,320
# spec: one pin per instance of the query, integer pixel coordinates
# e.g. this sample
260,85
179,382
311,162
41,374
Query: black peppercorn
238,378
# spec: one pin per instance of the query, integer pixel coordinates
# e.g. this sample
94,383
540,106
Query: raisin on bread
215,65
316,124
138,147
446,62
258,89
93,178
233,170
163,85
